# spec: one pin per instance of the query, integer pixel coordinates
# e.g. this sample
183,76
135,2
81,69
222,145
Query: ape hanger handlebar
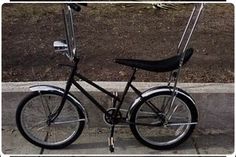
68,47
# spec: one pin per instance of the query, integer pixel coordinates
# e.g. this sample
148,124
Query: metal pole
193,19
185,30
193,28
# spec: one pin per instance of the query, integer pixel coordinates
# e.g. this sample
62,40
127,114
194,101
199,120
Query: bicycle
53,118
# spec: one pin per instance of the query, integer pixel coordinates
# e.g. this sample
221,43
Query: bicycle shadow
131,146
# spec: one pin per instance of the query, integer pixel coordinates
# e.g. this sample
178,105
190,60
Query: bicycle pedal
111,144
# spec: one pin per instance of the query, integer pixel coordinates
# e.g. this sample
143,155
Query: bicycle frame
68,48
193,19
71,81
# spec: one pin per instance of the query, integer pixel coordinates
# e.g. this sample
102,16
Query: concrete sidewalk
214,101
214,133
94,141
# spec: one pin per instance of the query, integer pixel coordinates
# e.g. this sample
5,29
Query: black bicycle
160,118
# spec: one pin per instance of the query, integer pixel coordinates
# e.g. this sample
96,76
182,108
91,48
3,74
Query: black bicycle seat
164,65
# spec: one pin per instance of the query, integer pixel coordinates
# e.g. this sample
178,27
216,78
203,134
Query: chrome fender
39,88
156,90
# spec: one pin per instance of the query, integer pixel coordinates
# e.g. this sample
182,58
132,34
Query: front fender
156,90
60,90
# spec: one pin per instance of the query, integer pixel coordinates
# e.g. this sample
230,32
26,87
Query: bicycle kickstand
111,140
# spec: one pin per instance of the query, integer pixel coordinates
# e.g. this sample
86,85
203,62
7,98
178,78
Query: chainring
108,117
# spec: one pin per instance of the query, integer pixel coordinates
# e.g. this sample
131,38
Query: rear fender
151,91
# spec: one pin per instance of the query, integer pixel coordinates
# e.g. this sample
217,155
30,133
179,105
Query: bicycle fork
53,116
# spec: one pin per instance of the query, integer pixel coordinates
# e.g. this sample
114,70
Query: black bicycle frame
71,81
70,36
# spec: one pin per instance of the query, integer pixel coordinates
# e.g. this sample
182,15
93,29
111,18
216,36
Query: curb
215,101
119,86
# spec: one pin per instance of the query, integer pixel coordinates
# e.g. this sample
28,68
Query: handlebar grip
74,6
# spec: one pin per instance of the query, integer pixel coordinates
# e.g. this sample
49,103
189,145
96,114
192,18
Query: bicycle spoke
146,117
44,108
54,134
154,124
42,127
146,112
38,124
179,120
164,104
153,107
54,110
172,112
46,137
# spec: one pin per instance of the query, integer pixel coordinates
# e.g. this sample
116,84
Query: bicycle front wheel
32,120
148,120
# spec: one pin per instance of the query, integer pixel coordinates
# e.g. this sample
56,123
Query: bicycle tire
28,136
161,145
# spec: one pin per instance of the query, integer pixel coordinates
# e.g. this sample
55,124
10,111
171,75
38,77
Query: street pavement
94,141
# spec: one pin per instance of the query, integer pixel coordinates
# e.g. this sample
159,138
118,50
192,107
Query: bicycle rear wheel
147,120
32,120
